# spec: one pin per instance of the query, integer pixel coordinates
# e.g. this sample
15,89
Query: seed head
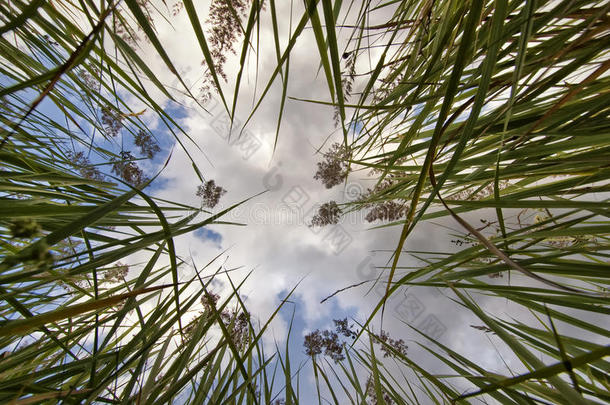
210,193
128,170
112,121
386,211
328,214
397,346
333,170
148,146
327,340
24,228
84,166
117,273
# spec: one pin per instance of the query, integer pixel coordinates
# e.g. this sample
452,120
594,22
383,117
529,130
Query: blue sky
210,235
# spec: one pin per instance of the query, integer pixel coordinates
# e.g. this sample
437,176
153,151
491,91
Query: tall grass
78,325
497,110
464,109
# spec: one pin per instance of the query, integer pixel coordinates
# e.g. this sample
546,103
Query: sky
330,273
276,243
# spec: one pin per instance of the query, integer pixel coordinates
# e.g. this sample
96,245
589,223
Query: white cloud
285,252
